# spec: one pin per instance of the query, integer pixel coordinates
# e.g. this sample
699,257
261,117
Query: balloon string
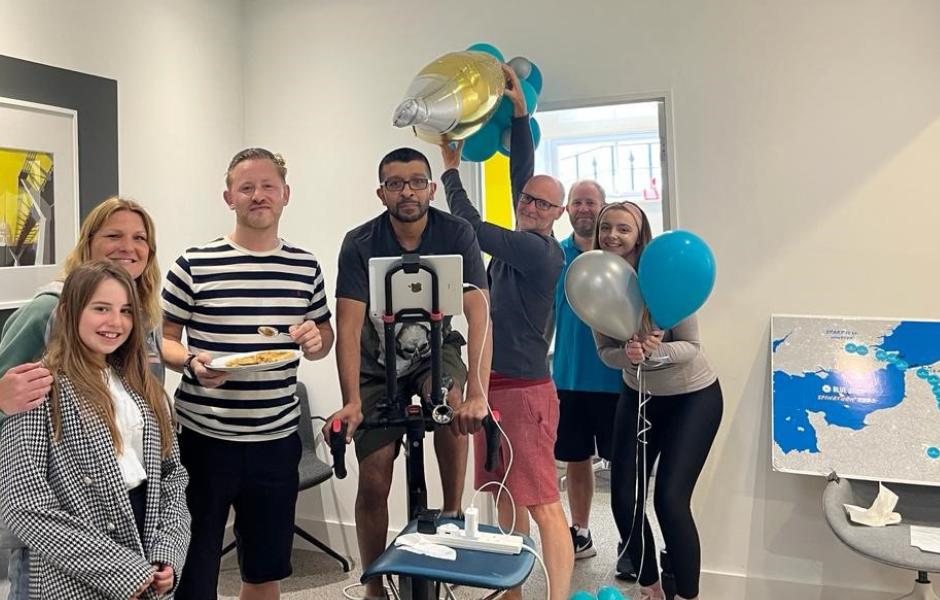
642,427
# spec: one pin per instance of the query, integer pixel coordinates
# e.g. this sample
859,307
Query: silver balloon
506,138
522,66
603,290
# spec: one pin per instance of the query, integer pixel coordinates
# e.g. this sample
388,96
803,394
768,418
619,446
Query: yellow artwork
27,223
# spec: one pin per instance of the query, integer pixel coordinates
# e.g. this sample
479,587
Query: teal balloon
504,112
609,593
483,144
531,97
535,78
505,138
489,49
676,274
582,595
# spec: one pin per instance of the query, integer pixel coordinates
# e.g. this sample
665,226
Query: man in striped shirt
239,438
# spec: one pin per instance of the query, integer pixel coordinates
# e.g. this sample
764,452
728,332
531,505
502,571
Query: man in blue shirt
588,390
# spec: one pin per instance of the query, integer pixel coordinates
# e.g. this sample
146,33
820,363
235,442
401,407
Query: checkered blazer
67,501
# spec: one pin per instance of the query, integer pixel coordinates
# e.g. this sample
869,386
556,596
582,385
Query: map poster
857,396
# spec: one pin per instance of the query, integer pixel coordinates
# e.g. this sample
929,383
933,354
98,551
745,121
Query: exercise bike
398,410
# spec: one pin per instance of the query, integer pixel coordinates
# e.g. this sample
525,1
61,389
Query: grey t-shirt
444,234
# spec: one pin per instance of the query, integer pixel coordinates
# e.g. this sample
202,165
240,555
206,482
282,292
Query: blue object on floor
473,568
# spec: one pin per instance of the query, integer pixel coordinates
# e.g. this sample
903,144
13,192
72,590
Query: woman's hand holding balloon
451,154
514,92
652,341
639,350
635,350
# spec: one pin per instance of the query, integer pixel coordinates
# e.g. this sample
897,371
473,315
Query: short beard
409,218
585,232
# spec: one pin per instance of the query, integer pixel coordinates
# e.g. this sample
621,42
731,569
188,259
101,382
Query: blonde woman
121,230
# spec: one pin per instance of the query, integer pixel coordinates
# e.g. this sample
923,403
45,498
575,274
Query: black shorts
372,391
258,479
585,425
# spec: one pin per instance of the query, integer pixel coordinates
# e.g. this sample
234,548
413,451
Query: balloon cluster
495,135
605,593
676,275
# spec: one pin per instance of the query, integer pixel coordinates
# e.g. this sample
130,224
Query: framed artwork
38,195
59,139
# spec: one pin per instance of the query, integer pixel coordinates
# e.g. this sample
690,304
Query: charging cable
346,594
548,582
501,484
489,409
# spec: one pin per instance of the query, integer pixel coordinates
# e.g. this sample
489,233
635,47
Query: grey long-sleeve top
678,366
523,271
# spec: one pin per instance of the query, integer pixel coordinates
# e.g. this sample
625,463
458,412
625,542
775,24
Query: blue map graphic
917,342
846,398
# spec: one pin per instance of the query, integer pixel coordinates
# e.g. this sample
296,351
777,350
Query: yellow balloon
453,97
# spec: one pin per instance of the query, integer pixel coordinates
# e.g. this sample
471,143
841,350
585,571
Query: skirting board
738,587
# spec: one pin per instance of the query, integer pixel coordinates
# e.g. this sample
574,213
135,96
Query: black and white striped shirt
221,293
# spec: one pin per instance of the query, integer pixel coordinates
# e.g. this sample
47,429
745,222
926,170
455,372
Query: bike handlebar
338,439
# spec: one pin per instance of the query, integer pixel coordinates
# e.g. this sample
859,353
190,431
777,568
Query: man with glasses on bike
523,272
409,224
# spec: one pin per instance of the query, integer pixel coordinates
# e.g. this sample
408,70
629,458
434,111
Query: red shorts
529,416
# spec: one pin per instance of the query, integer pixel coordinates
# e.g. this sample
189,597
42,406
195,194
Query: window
618,145
621,146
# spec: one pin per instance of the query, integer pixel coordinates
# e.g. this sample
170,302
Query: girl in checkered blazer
91,480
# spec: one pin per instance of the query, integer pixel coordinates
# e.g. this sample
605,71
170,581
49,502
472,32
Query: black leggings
682,429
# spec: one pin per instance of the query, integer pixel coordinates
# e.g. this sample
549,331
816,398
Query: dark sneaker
583,544
625,570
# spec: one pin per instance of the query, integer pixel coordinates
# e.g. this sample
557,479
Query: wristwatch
188,366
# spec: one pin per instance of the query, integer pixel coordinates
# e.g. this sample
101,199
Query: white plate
219,364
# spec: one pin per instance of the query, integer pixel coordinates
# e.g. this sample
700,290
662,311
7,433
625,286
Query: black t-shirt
444,234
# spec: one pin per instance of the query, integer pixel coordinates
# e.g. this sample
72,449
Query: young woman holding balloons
670,408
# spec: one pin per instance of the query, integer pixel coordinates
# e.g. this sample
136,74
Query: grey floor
317,576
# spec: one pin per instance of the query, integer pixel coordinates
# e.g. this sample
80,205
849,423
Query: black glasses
397,185
540,203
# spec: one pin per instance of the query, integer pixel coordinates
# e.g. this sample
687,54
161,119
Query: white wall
180,110
806,136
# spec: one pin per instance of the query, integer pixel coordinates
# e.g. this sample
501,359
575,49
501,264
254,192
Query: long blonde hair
67,354
644,237
149,282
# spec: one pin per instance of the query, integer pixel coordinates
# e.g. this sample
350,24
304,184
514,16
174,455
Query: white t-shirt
130,423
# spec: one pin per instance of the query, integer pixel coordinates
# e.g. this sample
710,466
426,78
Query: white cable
642,427
349,587
548,584
642,441
489,409
512,503
502,484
